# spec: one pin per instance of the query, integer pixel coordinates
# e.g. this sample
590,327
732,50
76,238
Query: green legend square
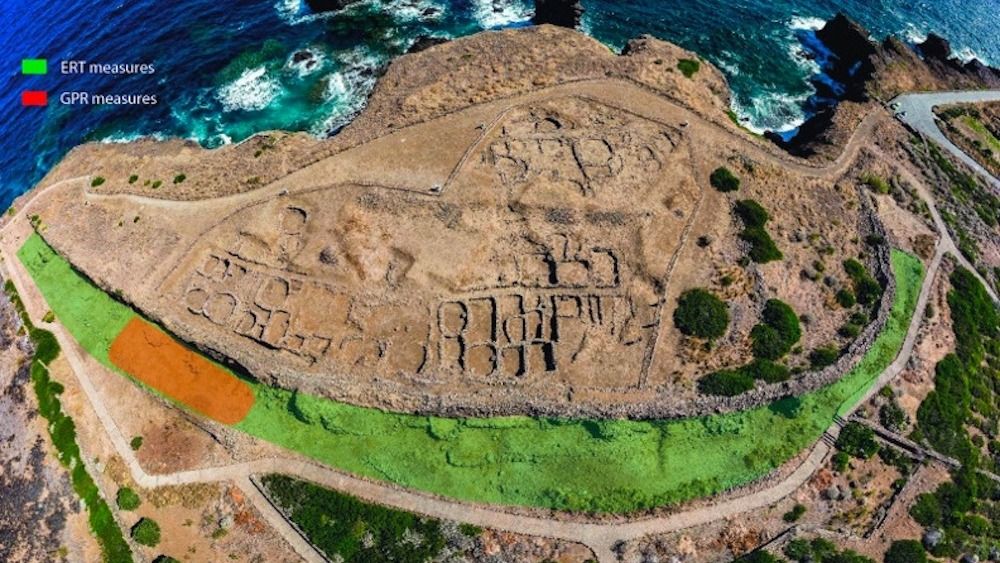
34,66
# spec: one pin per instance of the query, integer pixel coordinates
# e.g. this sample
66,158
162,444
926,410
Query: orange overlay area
154,358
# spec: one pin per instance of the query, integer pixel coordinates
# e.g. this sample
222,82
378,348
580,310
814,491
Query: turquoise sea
225,70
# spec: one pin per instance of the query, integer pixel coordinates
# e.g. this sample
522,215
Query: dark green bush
762,246
337,524
127,499
892,416
906,551
840,461
688,67
133,179
701,314
135,443
97,181
849,330
726,383
866,288
766,370
795,513
778,331
752,213
760,556
846,299
724,180
146,532
857,440
824,356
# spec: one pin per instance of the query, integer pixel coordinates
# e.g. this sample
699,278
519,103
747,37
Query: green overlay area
597,466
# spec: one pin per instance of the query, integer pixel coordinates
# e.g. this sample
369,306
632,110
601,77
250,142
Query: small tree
127,499
724,180
857,440
700,313
726,383
146,532
906,551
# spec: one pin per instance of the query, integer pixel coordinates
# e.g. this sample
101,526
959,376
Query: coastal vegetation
777,332
347,529
724,180
146,532
701,314
597,466
755,217
127,499
965,396
688,67
97,181
62,432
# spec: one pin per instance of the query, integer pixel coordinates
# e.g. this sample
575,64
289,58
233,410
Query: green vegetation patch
688,67
600,466
755,217
820,550
62,431
724,180
778,331
347,529
866,288
701,314
146,532
127,499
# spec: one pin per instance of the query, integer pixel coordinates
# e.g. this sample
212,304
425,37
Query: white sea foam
770,111
121,138
347,89
288,10
913,36
252,91
800,22
499,13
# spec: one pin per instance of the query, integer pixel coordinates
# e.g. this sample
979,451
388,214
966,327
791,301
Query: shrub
752,213
892,416
48,317
97,181
782,318
824,356
794,514
849,330
165,559
762,246
876,183
127,499
133,179
688,67
857,440
760,556
701,314
766,370
724,180
866,289
179,178
767,343
157,184
726,383
906,551
135,443
778,332
146,532
840,461
846,299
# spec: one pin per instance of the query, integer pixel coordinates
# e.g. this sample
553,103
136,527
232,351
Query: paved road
601,537
917,111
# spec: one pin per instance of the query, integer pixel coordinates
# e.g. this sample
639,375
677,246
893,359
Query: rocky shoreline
871,72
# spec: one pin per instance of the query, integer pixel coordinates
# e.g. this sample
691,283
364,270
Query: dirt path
601,537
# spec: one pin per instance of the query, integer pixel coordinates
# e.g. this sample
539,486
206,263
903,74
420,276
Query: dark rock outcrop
851,66
425,42
935,47
327,5
564,13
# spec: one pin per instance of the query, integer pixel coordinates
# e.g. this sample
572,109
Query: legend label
34,66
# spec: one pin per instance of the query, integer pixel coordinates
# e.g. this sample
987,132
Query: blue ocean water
225,70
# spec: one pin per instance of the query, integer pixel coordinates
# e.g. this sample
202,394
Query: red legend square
34,98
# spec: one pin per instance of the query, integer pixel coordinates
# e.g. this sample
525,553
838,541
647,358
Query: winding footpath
600,537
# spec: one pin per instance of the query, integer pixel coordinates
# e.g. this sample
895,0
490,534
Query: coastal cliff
862,71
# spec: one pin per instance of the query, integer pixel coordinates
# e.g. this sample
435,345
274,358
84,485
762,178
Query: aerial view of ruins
489,281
